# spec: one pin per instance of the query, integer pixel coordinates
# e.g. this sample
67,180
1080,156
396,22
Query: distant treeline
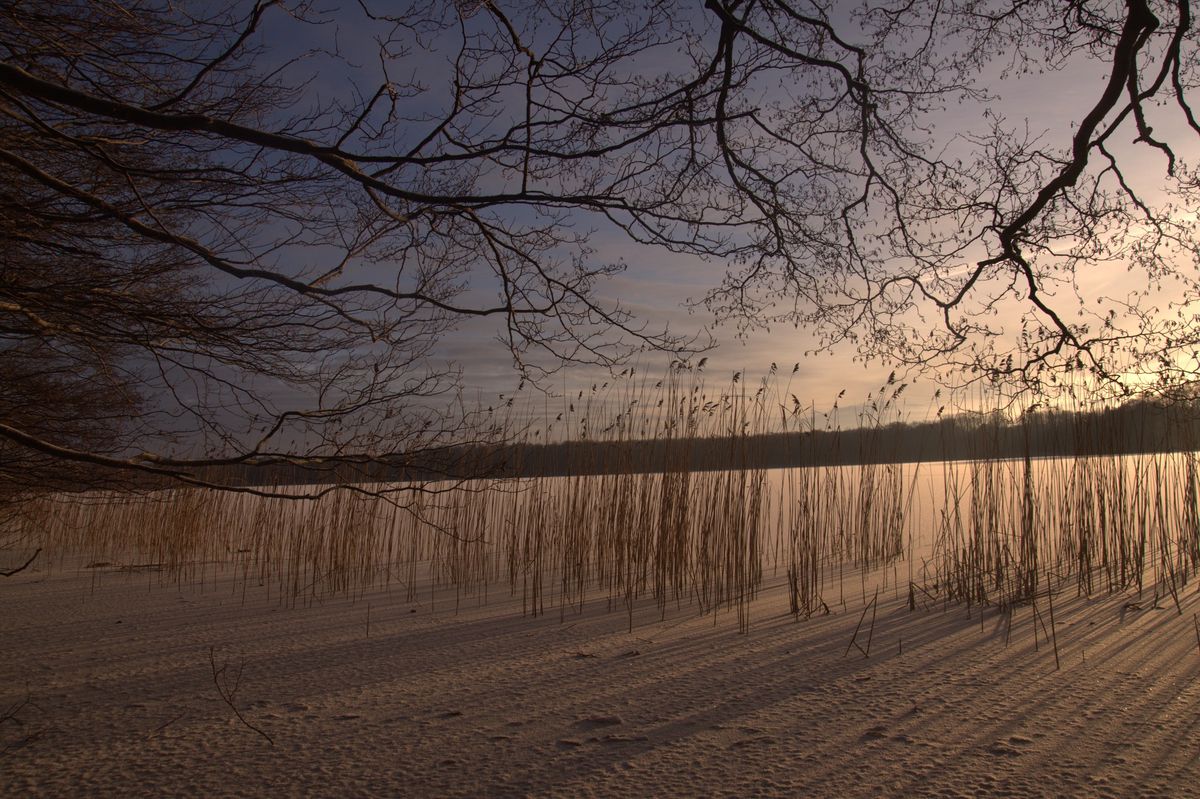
1136,427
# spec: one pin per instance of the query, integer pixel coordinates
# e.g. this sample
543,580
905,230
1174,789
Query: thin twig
228,694
28,563
1053,634
856,629
165,724
11,714
871,632
854,638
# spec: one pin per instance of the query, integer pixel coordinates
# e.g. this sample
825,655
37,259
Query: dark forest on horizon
1139,426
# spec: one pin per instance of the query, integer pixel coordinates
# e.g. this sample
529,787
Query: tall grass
1009,528
663,500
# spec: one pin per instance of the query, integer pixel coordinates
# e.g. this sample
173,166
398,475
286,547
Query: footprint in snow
592,722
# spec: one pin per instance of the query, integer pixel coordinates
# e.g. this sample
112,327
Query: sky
661,288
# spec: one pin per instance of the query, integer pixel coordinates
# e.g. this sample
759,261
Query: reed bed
662,498
1010,529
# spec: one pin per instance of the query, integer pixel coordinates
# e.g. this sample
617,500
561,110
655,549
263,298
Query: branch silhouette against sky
257,231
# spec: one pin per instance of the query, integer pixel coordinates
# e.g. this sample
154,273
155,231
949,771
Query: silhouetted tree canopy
252,224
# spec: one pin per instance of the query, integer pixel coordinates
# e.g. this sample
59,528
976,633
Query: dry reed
664,499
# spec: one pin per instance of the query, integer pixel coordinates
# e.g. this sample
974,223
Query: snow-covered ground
108,677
